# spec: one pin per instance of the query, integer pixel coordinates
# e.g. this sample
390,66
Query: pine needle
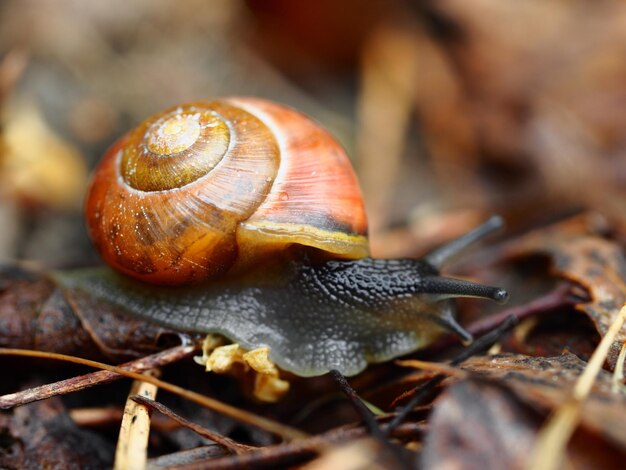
552,439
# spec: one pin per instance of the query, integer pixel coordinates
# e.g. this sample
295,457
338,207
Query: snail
244,218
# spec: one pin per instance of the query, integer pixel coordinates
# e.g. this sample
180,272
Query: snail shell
208,188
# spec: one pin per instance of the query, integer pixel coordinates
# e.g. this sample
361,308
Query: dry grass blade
618,373
437,367
132,444
554,436
286,432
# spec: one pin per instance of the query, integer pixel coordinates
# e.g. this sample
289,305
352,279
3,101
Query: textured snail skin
333,315
208,188
314,318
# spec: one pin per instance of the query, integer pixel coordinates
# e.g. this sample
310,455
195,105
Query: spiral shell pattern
198,189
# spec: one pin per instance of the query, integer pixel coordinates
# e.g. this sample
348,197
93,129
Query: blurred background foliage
450,110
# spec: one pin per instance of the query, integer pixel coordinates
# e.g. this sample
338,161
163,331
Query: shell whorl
171,143
199,188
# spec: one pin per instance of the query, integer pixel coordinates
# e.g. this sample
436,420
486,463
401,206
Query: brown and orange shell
200,189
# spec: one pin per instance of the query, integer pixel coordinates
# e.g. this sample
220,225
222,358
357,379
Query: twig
200,430
362,410
286,432
368,418
481,344
81,382
296,452
182,457
560,297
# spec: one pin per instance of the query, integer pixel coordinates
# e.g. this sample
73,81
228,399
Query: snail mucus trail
293,273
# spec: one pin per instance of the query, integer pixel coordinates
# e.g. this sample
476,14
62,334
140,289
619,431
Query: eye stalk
444,254
444,287
440,288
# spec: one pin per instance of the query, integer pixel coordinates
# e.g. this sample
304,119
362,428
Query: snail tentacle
441,288
444,254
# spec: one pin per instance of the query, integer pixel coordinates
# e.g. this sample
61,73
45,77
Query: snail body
262,239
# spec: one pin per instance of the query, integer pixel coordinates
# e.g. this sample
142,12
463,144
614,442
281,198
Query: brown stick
560,297
286,432
81,382
200,430
297,452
